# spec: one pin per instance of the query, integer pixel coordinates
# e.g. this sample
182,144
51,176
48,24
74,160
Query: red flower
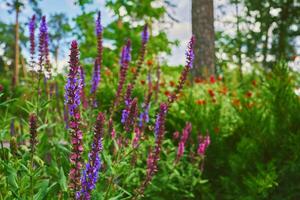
172,84
198,80
143,82
248,94
212,79
149,62
167,93
133,70
200,102
254,83
220,78
236,102
211,92
223,90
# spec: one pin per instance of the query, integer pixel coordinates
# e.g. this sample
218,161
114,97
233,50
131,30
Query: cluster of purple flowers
90,175
44,47
32,39
154,154
95,81
184,74
185,134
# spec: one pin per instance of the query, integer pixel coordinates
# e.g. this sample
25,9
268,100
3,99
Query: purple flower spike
145,34
184,73
99,27
190,55
90,174
96,77
32,39
153,156
44,47
72,95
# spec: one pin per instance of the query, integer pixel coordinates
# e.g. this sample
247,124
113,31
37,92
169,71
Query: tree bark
203,29
15,80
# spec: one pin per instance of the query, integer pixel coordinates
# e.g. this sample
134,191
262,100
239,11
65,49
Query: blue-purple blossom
144,116
32,38
99,27
90,174
44,46
190,55
96,77
145,34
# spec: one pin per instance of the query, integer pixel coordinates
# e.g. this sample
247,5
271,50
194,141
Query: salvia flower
137,136
95,81
73,88
127,101
183,76
44,46
32,131
82,83
185,134
154,155
90,174
124,62
203,144
99,27
145,38
131,115
32,39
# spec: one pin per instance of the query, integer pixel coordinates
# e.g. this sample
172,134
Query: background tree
203,29
59,30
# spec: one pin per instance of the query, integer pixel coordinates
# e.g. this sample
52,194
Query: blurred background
230,33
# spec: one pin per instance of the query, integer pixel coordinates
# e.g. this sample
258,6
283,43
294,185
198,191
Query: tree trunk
203,29
15,80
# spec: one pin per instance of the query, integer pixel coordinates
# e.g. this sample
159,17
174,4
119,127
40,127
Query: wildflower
198,80
32,39
82,83
203,144
185,134
73,88
172,84
175,135
137,136
143,82
249,94
95,81
211,93
125,112
189,64
32,131
90,175
167,93
150,62
124,62
44,47
212,79
131,115
200,102
154,155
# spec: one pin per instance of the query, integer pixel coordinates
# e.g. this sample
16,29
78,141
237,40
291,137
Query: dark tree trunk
203,29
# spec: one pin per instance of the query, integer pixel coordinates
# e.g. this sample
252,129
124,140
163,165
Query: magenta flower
185,134
73,88
131,114
203,144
